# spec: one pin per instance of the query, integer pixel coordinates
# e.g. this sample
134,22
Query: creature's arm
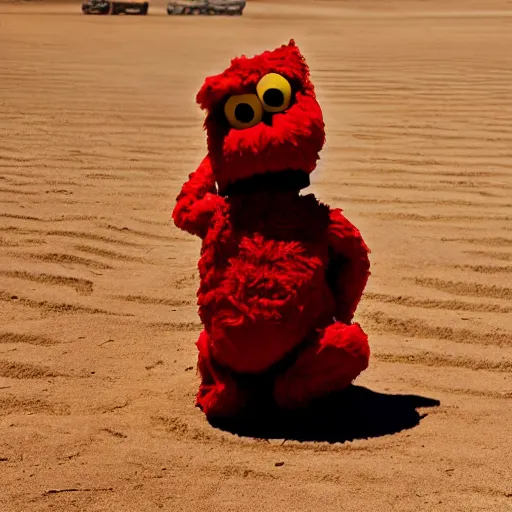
349,266
197,201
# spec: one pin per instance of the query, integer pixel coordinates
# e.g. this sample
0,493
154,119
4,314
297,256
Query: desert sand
98,131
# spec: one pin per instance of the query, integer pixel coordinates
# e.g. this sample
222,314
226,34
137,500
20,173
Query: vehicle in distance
206,7
114,7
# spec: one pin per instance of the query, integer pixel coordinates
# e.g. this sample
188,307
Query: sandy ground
98,130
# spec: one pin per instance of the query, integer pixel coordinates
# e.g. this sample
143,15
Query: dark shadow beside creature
356,413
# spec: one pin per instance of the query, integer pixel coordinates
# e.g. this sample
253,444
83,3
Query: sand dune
98,130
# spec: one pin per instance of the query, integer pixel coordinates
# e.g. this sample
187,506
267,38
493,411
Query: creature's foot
329,365
219,395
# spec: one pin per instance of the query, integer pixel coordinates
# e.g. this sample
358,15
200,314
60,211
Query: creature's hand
349,267
197,201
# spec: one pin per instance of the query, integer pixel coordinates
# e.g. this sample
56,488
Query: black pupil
244,113
273,97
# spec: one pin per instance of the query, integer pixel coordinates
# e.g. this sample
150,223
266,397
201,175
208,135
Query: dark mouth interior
283,181
244,113
273,97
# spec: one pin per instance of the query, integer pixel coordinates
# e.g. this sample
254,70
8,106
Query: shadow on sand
356,413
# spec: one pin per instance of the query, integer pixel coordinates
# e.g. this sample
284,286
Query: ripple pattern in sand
98,130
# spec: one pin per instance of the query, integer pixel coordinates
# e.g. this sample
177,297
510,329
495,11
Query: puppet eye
243,111
275,92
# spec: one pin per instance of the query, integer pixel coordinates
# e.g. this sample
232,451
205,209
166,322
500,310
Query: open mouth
287,180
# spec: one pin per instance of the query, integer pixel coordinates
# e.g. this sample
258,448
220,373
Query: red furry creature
281,274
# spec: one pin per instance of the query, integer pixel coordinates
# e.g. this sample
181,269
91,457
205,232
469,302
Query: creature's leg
218,395
329,365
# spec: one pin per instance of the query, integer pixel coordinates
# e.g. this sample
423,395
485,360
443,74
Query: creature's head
263,119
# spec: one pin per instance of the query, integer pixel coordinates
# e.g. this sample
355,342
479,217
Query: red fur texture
281,274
